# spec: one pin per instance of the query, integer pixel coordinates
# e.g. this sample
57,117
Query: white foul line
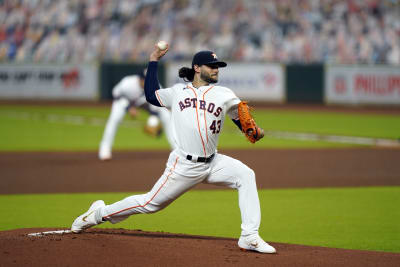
69,119
95,121
381,142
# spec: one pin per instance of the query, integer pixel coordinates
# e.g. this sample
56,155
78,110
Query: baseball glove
153,126
153,131
252,132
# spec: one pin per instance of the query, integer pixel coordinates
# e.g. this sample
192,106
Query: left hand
249,127
133,112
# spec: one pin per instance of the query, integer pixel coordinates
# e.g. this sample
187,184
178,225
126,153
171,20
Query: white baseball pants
181,175
118,111
165,118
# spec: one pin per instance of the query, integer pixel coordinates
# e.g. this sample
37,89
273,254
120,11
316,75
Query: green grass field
355,218
77,128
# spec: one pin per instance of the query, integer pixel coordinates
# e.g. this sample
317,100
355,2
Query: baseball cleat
88,219
105,156
255,243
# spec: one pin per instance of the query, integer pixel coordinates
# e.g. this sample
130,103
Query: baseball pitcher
198,109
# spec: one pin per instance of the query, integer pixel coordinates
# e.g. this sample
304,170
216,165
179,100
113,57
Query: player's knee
247,172
152,207
246,176
251,175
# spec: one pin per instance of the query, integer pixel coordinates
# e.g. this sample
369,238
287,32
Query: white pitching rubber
58,232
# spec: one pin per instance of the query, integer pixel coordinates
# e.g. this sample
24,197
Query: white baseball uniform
197,118
126,93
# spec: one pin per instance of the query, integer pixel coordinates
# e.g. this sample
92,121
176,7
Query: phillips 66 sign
362,85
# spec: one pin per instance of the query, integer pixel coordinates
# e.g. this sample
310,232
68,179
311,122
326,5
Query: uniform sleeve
151,84
165,96
232,105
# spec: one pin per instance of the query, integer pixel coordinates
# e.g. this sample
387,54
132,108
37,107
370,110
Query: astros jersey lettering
198,115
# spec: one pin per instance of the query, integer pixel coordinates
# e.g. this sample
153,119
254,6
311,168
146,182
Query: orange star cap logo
214,55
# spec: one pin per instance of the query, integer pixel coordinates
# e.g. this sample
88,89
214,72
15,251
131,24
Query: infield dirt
82,172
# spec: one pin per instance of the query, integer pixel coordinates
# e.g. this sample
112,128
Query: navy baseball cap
207,58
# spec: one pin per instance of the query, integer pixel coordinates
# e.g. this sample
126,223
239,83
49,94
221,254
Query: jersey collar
191,85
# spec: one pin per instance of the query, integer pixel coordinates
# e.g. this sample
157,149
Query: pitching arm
151,84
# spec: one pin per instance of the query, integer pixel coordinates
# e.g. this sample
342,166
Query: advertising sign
362,85
48,81
259,82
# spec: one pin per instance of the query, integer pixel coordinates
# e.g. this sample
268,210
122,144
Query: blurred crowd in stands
287,31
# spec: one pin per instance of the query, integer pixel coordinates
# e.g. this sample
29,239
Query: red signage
377,84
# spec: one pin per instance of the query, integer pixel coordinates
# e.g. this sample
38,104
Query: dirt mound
55,172
119,247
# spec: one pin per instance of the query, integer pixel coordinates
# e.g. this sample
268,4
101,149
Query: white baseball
162,45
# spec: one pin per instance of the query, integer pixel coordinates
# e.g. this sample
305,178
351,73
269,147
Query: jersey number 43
215,126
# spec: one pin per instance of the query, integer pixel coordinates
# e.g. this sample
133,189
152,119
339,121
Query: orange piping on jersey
205,121
198,123
142,206
159,100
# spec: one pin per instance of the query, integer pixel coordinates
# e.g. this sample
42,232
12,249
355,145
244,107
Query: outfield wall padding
111,73
305,83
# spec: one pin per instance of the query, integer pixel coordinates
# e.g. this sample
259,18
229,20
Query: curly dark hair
187,74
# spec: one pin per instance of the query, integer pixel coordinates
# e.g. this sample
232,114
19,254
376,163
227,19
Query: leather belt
201,159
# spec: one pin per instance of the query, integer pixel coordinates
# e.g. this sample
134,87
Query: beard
208,78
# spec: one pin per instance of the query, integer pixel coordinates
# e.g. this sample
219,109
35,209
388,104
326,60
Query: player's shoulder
131,81
220,87
223,89
130,78
179,85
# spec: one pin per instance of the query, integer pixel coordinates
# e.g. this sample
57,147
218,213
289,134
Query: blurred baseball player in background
198,110
128,95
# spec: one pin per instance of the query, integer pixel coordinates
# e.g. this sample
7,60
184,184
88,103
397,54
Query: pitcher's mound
119,247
